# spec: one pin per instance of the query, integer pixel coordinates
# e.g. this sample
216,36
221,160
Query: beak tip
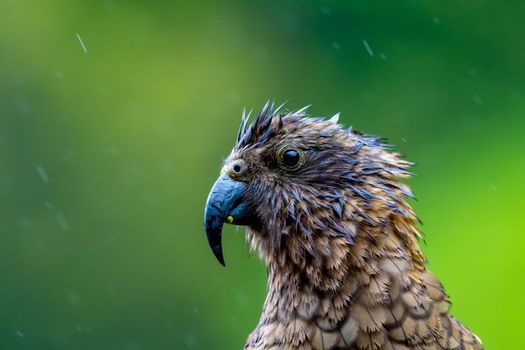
217,251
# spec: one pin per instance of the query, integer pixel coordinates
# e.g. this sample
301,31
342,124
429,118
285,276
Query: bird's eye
290,158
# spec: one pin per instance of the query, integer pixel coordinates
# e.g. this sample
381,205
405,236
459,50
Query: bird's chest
315,324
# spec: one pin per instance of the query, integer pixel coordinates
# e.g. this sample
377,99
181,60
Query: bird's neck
305,273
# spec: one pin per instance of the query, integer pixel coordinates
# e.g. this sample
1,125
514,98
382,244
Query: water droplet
368,48
82,43
42,173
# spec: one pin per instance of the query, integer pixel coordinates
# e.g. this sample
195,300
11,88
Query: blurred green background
115,117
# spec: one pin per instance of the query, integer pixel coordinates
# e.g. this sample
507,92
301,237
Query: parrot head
291,178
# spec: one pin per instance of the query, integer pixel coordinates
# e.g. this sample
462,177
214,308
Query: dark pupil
290,158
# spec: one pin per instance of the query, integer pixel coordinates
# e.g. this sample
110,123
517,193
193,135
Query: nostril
237,168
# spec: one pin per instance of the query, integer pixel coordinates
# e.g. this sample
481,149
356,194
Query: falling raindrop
42,173
62,221
82,43
368,48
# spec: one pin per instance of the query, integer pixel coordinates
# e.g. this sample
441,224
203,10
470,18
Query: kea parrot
325,207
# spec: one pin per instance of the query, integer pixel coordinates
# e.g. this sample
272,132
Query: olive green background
107,154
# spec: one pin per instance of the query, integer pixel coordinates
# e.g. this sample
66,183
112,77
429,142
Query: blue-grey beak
224,204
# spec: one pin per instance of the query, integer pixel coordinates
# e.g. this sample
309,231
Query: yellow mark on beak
229,219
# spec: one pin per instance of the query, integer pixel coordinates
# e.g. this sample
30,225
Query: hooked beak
223,205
